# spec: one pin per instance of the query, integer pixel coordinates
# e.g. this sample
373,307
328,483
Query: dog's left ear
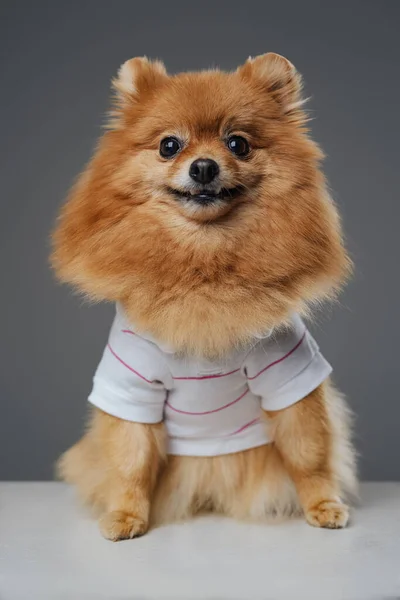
137,76
135,79
279,78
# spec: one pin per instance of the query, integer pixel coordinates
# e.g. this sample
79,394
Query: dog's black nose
203,170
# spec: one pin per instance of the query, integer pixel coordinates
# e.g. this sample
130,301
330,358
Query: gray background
56,62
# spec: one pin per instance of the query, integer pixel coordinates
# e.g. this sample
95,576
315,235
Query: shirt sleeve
286,366
132,379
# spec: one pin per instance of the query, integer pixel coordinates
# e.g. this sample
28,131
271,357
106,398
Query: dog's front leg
133,453
304,436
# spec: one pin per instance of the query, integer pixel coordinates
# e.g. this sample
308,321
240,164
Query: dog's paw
328,513
119,525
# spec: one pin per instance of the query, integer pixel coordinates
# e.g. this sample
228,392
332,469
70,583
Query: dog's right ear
136,77
279,78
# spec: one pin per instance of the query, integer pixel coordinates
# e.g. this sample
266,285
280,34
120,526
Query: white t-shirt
209,408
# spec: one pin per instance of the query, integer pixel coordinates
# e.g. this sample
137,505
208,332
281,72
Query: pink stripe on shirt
245,426
280,359
127,366
207,412
198,378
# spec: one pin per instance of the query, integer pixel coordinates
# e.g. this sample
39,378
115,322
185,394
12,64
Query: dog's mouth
206,197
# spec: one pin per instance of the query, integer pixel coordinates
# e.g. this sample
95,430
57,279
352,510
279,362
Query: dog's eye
238,145
169,146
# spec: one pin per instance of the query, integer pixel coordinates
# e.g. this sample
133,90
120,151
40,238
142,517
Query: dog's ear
278,77
135,78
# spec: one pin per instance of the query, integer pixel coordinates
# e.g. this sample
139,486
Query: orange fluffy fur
205,281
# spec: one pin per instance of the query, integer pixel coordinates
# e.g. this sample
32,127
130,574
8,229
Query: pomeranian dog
205,217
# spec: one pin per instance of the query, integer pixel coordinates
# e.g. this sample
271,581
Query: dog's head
204,210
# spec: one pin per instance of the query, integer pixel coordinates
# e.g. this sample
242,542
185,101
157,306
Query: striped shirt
209,407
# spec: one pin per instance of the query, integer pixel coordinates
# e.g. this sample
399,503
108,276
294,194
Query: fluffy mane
204,286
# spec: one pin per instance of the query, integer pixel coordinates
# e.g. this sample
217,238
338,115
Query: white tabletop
51,549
